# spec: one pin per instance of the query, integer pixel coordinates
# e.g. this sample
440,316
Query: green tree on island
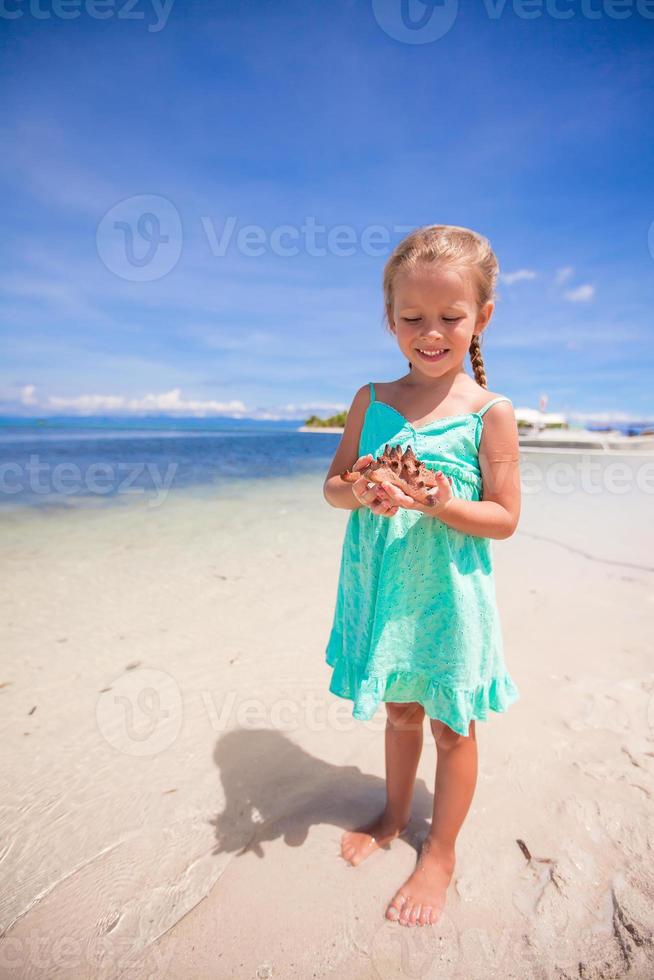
335,420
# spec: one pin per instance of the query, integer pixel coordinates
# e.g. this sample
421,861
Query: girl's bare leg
403,746
421,898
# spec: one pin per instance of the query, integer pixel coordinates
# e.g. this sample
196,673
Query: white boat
550,430
610,439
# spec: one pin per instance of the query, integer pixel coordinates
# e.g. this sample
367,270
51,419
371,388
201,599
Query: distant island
334,422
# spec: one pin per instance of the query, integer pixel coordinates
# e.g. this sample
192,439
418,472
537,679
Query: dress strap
500,398
372,392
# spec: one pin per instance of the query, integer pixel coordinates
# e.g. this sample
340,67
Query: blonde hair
459,247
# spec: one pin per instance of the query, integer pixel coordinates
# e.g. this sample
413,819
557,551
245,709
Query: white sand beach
177,775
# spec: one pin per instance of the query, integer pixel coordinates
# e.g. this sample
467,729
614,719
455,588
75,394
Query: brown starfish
403,470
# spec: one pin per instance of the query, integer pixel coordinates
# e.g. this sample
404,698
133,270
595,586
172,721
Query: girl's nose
433,330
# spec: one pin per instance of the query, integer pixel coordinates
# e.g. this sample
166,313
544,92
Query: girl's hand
442,495
370,494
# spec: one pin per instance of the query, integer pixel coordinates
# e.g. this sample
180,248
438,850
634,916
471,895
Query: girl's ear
484,316
389,317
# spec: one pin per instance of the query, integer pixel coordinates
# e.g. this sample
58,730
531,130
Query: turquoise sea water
70,461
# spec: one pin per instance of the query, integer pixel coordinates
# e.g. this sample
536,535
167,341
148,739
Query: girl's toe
415,915
394,910
406,912
425,915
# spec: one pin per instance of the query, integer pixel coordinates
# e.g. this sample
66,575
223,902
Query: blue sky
139,147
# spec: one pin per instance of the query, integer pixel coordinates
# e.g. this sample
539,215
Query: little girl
416,623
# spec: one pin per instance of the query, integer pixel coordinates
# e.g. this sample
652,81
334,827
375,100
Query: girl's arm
496,515
337,492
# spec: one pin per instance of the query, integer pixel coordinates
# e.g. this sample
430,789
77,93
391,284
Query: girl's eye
448,319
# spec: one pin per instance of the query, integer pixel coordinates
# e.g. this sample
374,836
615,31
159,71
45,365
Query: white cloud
510,277
169,402
581,294
27,395
563,274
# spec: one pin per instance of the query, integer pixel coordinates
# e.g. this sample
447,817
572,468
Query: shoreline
578,441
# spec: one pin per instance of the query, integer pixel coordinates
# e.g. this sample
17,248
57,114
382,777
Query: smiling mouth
432,354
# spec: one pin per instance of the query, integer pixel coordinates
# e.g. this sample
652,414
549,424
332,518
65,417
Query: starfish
403,470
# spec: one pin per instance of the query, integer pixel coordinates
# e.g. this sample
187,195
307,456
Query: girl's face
435,309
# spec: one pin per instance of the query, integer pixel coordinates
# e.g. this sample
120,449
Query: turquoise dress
416,617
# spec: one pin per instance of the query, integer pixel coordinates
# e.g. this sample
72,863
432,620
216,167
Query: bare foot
421,898
357,845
